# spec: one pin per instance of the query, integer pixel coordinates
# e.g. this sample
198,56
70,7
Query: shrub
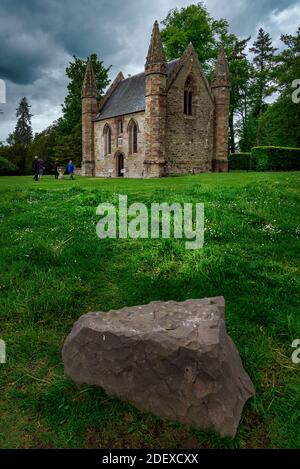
276,158
240,161
6,167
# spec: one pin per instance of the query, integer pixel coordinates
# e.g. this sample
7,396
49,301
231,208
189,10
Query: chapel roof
128,96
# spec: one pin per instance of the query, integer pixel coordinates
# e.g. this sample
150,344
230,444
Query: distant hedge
266,159
240,161
276,158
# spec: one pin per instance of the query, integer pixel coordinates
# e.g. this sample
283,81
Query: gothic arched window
188,97
133,132
107,140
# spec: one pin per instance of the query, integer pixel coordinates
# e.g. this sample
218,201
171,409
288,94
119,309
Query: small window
120,126
188,98
133,133
107,140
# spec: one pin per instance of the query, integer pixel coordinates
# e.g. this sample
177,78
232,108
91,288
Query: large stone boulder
172,359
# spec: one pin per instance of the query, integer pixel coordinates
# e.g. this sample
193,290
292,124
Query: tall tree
240,72
280,124
21,138
263,62
193,24
67,139
22,134
75,73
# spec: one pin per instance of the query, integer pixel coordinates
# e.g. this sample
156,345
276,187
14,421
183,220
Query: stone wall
89,110
105,165
189,139
222,100
155,119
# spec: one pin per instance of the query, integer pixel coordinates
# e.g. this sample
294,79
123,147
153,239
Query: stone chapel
164,121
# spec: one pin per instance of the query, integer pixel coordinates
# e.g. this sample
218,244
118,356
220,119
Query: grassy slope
54,268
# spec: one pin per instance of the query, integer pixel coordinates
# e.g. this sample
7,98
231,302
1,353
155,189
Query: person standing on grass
36,169
56,165
41,166
71,169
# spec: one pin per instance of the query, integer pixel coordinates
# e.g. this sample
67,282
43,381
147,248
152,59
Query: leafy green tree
288,62
280,124
260,85
240,73
75,73
193,24
68,145
67,141
43,145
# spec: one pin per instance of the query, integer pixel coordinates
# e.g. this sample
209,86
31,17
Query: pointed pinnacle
221,72
156,53
189,49
89,87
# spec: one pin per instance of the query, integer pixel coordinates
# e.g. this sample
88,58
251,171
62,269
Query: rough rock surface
172,359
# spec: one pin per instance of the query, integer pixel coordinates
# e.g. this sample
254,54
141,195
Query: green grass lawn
54,269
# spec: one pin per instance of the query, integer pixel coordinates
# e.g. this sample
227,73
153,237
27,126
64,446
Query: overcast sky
39,37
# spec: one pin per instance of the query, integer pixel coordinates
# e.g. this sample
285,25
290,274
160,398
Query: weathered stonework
189,139
89,110
221,91
170,141
156,72
106,165
173,359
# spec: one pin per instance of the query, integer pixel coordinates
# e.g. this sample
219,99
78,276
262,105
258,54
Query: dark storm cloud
39,37
32,31
245,15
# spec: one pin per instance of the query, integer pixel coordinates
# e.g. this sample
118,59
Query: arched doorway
120,165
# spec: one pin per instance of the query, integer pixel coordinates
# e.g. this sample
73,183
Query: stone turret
155,106
89,95
221,90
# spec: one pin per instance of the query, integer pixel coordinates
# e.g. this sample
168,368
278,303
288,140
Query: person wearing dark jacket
36,168
41,167
56,165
